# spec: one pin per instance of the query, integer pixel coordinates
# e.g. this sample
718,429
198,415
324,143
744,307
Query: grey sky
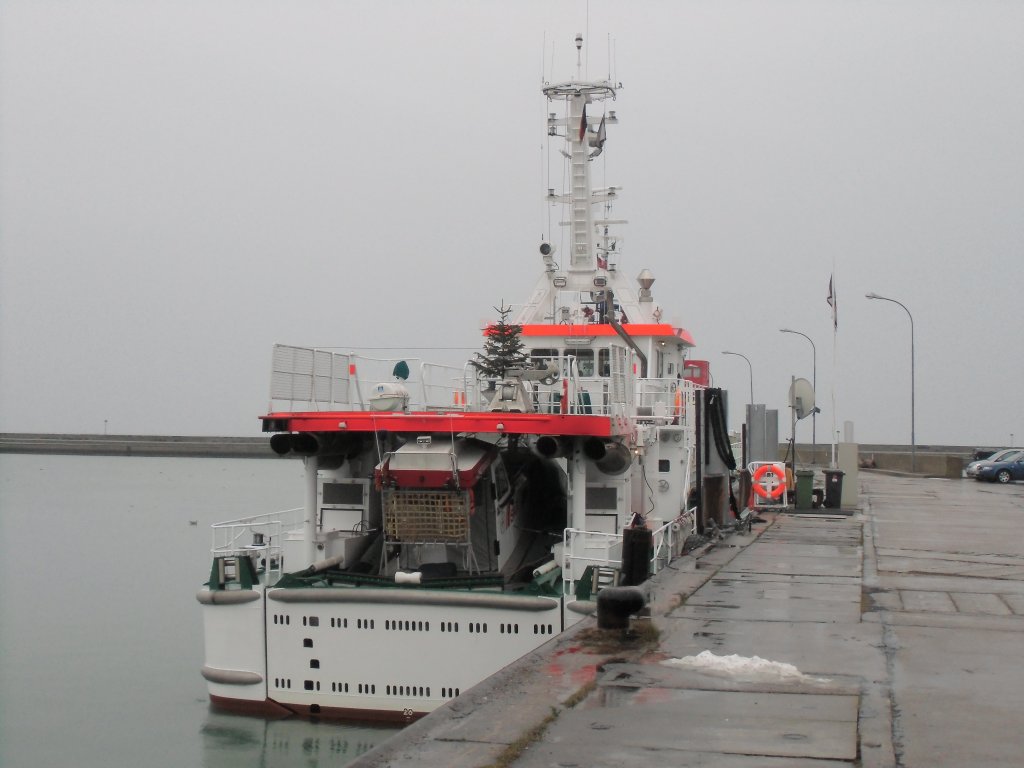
184,183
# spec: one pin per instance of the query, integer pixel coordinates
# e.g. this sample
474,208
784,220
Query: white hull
367,653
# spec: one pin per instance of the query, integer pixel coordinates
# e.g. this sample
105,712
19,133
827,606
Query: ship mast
581,136
586,269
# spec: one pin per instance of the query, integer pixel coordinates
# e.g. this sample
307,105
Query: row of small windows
412,626
406,690
314,685
391,690
409,626
314,621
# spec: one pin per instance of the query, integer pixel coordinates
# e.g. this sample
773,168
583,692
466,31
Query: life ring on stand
763,491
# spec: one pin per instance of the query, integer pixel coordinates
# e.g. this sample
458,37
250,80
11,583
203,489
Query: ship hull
373,654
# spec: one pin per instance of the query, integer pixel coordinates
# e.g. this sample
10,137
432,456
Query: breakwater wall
138,445
938,461
930,460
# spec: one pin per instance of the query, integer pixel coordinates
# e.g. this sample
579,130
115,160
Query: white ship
453,521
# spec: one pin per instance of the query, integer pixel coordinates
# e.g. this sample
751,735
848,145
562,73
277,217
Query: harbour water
100,633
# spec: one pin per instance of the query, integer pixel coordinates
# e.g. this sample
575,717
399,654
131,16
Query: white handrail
262,534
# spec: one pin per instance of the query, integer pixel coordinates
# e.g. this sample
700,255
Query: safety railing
670,538
667,401
306,378
585,548
319,379
581,549
261,536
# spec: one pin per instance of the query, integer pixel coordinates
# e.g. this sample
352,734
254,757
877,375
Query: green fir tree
503,348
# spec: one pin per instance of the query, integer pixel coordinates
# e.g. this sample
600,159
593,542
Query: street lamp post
751,372
913,440
814,385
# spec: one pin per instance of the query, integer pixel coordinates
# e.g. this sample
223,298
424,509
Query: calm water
100,632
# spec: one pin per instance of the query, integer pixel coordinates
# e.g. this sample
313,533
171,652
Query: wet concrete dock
903,623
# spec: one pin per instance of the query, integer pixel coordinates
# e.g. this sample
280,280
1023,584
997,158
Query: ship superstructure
451,522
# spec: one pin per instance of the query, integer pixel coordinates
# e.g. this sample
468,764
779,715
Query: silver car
972,468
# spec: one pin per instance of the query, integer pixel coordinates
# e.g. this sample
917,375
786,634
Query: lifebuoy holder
763,487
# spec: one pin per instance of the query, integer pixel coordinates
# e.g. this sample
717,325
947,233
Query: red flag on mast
583,123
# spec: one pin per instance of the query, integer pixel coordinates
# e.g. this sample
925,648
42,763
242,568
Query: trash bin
833,488
804,488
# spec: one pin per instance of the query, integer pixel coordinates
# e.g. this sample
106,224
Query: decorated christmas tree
503,347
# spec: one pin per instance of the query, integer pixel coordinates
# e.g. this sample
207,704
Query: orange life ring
763,492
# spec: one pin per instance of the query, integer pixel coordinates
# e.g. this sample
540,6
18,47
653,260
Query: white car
972,468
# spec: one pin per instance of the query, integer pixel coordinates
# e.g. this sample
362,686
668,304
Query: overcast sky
184,183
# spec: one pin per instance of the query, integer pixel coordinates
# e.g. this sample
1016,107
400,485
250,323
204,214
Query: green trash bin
804,488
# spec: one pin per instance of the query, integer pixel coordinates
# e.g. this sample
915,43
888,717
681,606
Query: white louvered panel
301,374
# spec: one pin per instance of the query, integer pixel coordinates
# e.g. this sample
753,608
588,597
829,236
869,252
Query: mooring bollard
616,604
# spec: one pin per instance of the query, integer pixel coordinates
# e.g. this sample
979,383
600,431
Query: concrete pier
902,622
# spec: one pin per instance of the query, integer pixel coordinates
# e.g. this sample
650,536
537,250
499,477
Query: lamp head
872,296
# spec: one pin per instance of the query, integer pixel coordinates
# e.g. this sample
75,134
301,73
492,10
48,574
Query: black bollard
616,604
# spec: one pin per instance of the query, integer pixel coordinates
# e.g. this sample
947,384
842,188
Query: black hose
716,416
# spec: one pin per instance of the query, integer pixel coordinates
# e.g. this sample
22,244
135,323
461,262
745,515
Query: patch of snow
751,669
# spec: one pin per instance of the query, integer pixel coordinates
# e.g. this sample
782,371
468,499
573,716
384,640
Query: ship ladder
604,576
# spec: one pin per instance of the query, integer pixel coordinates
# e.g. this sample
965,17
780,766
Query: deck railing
259,535
604,550
313,379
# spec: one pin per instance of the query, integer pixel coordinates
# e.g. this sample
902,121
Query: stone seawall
932,460
138,445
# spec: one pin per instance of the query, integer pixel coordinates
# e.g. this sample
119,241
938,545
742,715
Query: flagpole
834,303
835,355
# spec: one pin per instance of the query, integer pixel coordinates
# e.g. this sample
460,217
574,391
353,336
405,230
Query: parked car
1009,468
999,455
